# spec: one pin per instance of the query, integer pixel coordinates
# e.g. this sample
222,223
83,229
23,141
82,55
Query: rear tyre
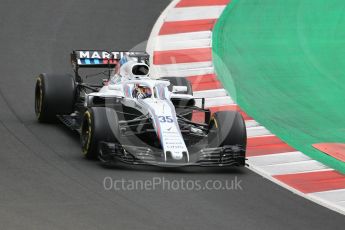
96,127
54,95
228,128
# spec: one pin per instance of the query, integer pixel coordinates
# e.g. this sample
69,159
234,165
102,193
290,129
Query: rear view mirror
179,89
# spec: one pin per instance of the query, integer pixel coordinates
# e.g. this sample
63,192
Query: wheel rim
213,137
38,97
86,133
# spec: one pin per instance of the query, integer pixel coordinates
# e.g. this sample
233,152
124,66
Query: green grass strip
284,64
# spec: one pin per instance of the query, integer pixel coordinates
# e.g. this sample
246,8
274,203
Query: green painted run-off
284,62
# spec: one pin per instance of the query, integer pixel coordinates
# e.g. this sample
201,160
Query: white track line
280,158
257,131
186,36
252,123
178,45
337,196
263,136
202,39
294,167
194,13
183,69
213,93
215,102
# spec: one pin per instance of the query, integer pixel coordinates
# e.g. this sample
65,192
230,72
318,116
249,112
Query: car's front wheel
98,124
227,128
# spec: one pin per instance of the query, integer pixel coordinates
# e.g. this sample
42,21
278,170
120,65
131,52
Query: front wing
207,157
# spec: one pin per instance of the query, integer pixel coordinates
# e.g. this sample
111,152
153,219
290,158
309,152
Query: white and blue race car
134,118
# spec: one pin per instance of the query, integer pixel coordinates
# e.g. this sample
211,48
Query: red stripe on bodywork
182,56
187,26
314,181
189,3
259,146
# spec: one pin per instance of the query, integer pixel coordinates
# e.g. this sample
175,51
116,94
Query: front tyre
96,127
227,128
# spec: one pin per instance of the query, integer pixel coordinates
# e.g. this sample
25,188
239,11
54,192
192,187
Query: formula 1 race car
133,118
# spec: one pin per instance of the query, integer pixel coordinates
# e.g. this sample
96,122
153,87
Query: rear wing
103,59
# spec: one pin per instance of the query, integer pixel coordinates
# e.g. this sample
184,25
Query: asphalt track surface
44,181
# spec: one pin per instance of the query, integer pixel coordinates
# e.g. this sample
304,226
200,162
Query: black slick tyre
54,95
98,124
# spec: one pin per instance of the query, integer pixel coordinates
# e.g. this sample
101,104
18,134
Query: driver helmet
143,89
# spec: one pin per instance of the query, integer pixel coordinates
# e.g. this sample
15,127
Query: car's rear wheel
98,124
228,128
54,95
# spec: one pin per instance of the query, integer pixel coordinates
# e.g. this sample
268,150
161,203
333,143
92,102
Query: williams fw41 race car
134,118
